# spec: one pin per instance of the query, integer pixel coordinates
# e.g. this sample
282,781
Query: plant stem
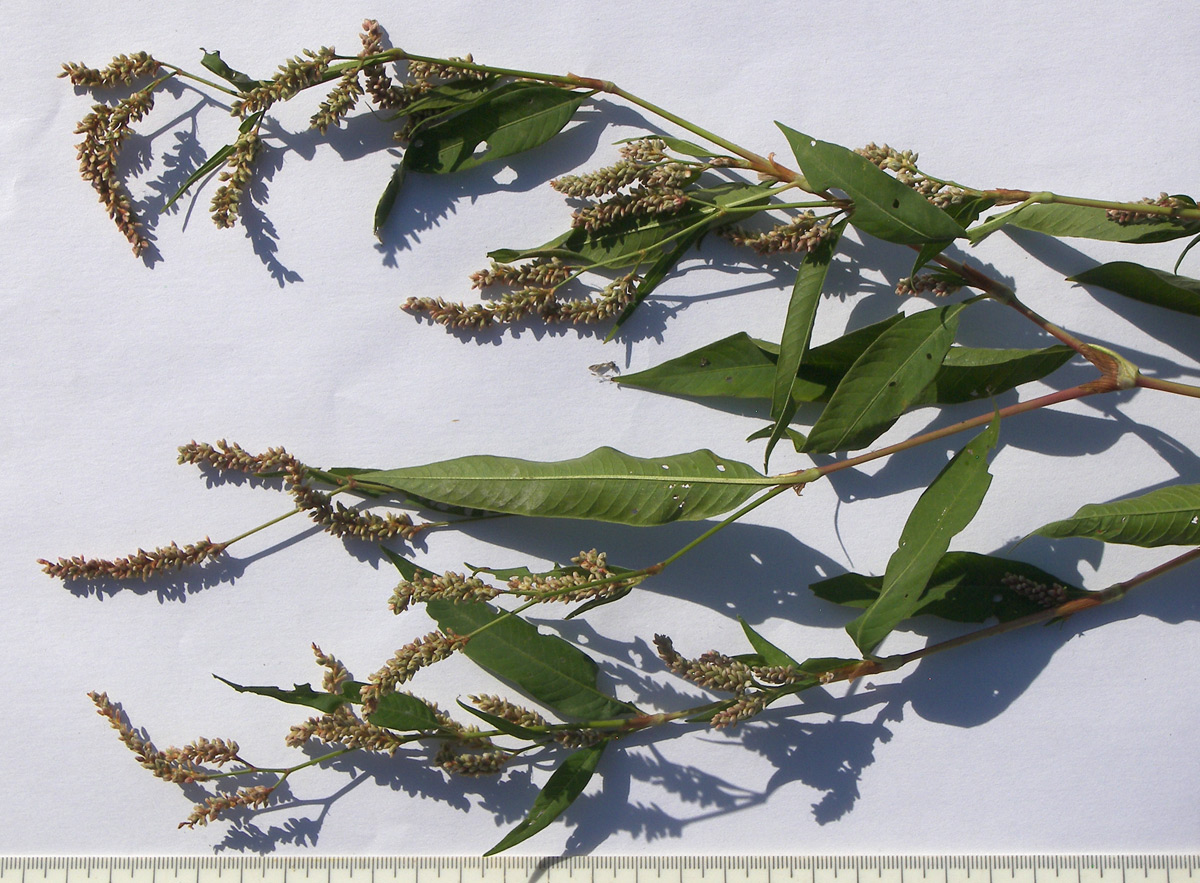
178,71
1183,389
1047,198
1095,599
1054,398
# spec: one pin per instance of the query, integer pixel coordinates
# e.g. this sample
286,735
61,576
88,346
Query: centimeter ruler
601,869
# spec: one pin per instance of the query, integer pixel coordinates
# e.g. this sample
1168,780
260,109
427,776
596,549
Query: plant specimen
633,222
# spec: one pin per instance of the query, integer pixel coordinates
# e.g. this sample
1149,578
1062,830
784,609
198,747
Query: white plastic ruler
600,869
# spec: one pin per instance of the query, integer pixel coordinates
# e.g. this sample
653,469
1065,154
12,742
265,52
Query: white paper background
1079,738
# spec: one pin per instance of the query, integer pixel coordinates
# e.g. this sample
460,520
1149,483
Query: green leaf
964,214
560,791
387,199
735,366
215,161
883,207
798,439
1086,222
661,267
797,330
964,587
544,667
396,711
1150,286
1183,254
502,724
300,694
969,373
212,61
604,485
1169,516
768,652
508,120
454,95
600,601
741,367
678,145
410,570
944,509
885,380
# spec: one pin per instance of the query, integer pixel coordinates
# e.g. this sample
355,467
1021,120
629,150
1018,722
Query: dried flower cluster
937,284
639,202
517,714
338,520
407,661
450,586
104,130
343,727
802,234
589,578
540,273
1133,216
178,765
531,301
227,200
293,76
904,165
716,671
212,808
1046,595
121,71
140,565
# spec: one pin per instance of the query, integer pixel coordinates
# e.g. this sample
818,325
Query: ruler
602,869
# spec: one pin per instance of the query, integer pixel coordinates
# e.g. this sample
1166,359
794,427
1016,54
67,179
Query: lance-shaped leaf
544,667
605,485
964,214
243,82
883,206
1150,286
1169,516
969,373
740,366
964,587
797,330
765,650
559,792
215,161
885,380
656,274
1086,222
387,199
508,120
453,95
944,509
743,367
678,145
396,711
504,725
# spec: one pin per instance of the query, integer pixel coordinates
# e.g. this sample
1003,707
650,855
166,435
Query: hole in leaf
895,203
929,355
481,150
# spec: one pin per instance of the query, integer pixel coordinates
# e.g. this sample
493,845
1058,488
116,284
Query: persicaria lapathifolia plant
631,223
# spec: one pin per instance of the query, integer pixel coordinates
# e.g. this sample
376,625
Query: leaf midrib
863,412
